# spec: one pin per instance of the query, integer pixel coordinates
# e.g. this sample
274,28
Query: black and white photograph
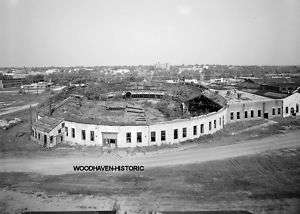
149,106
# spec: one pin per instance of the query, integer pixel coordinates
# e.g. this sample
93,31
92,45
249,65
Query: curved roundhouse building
155,115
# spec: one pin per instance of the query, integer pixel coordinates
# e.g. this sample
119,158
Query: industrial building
125,125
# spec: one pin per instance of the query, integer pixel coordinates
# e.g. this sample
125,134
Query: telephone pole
30,120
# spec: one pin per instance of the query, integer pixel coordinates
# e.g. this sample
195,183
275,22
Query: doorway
111,143
45,140
293,111
109,139
59,138
266,115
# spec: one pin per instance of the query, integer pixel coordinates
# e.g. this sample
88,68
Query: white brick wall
291,102
168,126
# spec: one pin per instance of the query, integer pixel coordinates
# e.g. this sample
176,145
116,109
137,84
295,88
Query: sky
135,32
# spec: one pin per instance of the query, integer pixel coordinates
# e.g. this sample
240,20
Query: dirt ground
186,155
17,99
263,183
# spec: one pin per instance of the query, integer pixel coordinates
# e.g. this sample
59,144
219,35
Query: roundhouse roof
47,124
118,111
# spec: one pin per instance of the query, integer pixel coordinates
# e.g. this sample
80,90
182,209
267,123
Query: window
246,114
35,134
202,128
51,139
273,111
73,133
252,113
128,137
287,110
279,110
66,130
63,125
238,115
39,136
194,130
83,134
259,113
183,132
223,120
139,137
59,131
231,115
153,137
175,133
297,108
209,126
163,135
220,121
215,124
92,135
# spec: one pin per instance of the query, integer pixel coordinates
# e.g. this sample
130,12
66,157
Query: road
61,165
10,110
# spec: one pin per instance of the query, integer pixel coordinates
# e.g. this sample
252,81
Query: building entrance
45,140
293,111
109,139
266,115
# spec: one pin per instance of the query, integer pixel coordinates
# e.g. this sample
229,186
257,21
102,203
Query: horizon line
115,65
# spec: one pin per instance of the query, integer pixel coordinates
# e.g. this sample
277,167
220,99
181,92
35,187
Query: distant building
287,88
120,71
39,85
165,66
172,81
205,74
195,81
10,83
51,71
248,84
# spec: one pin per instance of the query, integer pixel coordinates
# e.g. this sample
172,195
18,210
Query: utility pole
50,106
30,118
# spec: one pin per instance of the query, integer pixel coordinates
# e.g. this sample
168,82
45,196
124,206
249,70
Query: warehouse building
48,131
129,126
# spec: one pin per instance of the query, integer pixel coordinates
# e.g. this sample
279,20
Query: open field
16,139
264,183
17,99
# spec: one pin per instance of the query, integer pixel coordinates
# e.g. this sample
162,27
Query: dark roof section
216,97
248,84
47,124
